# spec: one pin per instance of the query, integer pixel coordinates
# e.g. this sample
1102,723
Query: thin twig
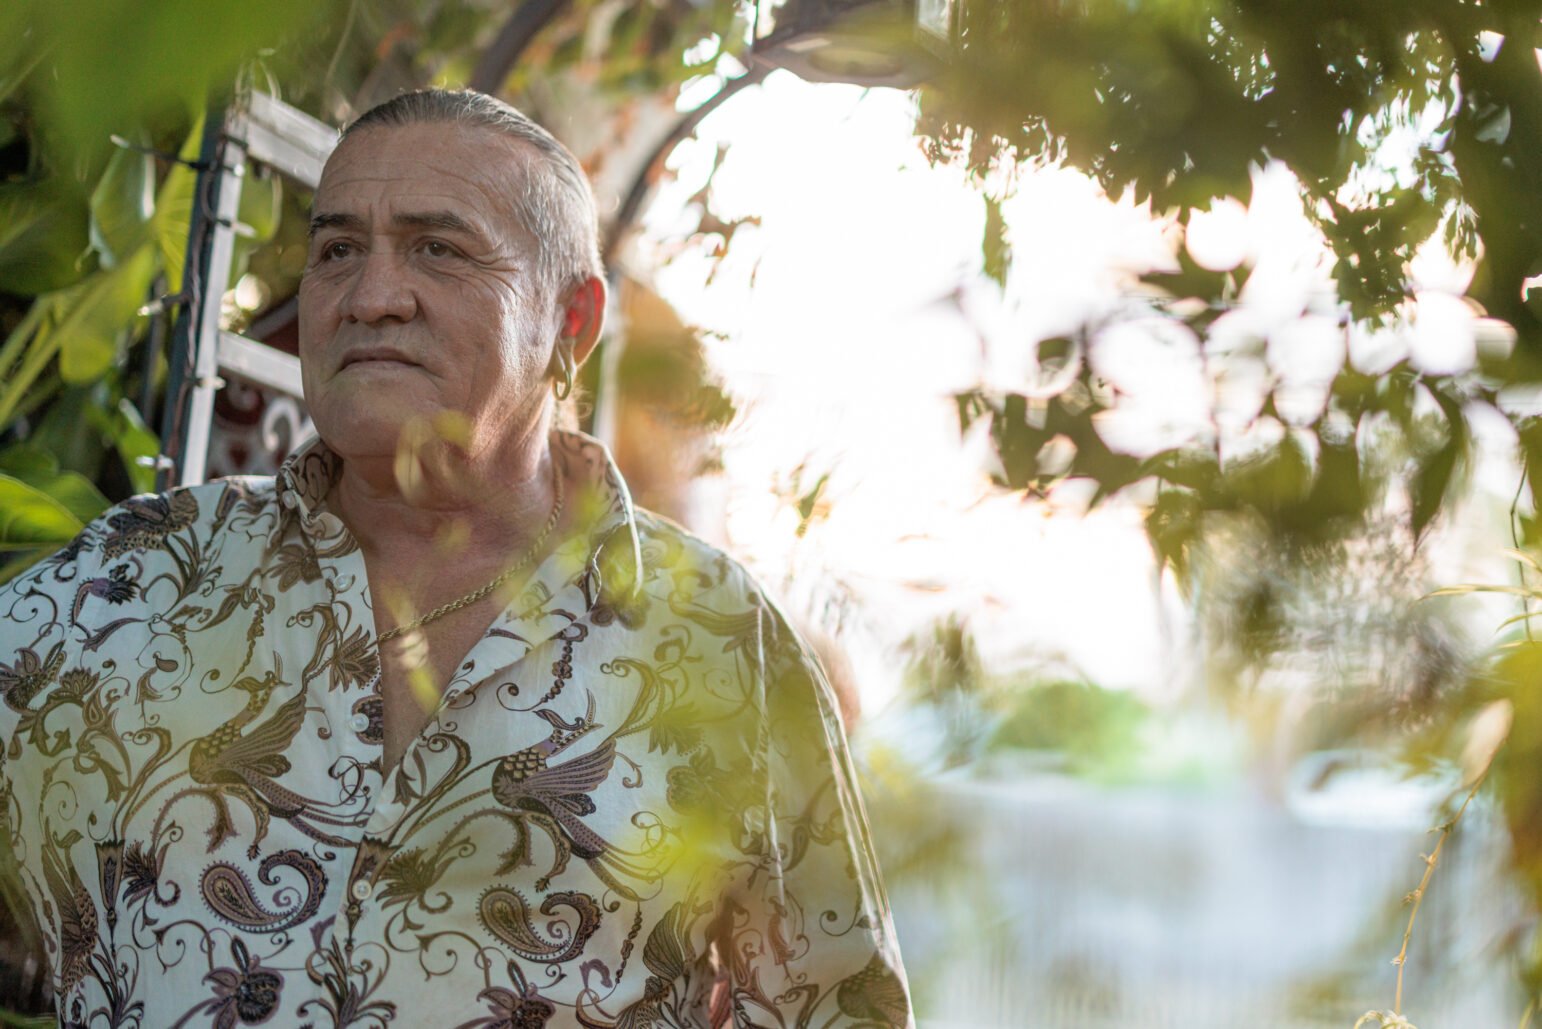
1515,538
342,41
1418,894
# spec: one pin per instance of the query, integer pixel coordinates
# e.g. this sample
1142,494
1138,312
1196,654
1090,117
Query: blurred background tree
1292,513
1403,124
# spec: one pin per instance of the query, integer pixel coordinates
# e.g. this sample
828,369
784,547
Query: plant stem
1429,870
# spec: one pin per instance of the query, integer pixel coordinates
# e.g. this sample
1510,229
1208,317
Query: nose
380,290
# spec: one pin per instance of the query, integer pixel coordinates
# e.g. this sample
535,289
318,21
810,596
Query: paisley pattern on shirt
633,807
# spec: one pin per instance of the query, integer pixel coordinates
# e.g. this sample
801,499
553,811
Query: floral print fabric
633,807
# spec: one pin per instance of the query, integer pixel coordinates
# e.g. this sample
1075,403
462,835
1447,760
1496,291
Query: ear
584,316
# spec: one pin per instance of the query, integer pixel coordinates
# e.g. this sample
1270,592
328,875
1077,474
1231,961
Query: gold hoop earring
562,384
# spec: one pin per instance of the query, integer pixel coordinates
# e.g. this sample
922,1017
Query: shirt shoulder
686,581
144,524
48,611
677,562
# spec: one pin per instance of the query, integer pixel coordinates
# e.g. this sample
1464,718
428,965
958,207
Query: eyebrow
444,220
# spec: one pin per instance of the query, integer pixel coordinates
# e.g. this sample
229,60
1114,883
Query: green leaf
132,440
102,308
74,493
43,232
995,250
261,205
30,517
35,466
1174,525
174,209
66,431
1435,472
18,563
121,206
30,348
27,460
15,344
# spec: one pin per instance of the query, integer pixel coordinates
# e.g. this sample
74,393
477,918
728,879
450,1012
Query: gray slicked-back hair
556,203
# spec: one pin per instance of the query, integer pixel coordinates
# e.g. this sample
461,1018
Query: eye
336,250
438,248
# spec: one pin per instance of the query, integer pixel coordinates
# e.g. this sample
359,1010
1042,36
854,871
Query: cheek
524,339
314,313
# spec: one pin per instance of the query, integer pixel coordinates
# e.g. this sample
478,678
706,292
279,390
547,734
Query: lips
375,355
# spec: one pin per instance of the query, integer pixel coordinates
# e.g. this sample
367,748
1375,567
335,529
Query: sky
845,320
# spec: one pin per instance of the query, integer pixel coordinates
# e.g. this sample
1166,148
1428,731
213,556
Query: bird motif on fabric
76,913
557,795
233,764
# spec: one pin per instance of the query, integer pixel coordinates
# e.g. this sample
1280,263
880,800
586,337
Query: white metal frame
270,132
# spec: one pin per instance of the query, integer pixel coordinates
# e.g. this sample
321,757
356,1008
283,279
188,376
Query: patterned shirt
633,806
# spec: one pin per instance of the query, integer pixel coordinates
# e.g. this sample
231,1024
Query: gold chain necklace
503,577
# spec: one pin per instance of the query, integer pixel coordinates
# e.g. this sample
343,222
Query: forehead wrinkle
446,220
487,193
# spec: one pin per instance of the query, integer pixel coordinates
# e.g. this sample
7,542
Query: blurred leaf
121,205
174,208
184,52
131,439
1435,471
1174,525
808,503
1485,736
101,309
1095,729
68,430
1466,588
29,517
994,248
1523,557
1274,480
261,204
29,350
43,233
35,466
16,343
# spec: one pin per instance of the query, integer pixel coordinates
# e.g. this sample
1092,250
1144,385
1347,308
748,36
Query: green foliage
1095,730
116,67
1179,102
43,234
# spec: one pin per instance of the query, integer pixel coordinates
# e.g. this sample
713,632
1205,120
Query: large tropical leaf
174,209
80,325
43,233
30,518
121,206
126,430
106,304
34,466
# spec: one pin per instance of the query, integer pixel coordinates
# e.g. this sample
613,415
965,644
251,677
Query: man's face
419,294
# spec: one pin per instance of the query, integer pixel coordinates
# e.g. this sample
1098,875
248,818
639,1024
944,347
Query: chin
352,431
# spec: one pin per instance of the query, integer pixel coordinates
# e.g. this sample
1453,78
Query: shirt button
361,890
359,722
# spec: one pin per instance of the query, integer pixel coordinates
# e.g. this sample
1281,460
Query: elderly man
434,729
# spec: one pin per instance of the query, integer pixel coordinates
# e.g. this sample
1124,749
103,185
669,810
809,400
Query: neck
439,499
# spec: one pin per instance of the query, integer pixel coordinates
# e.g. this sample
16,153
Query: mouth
376,357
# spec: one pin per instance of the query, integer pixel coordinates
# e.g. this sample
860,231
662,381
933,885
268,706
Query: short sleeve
810,940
